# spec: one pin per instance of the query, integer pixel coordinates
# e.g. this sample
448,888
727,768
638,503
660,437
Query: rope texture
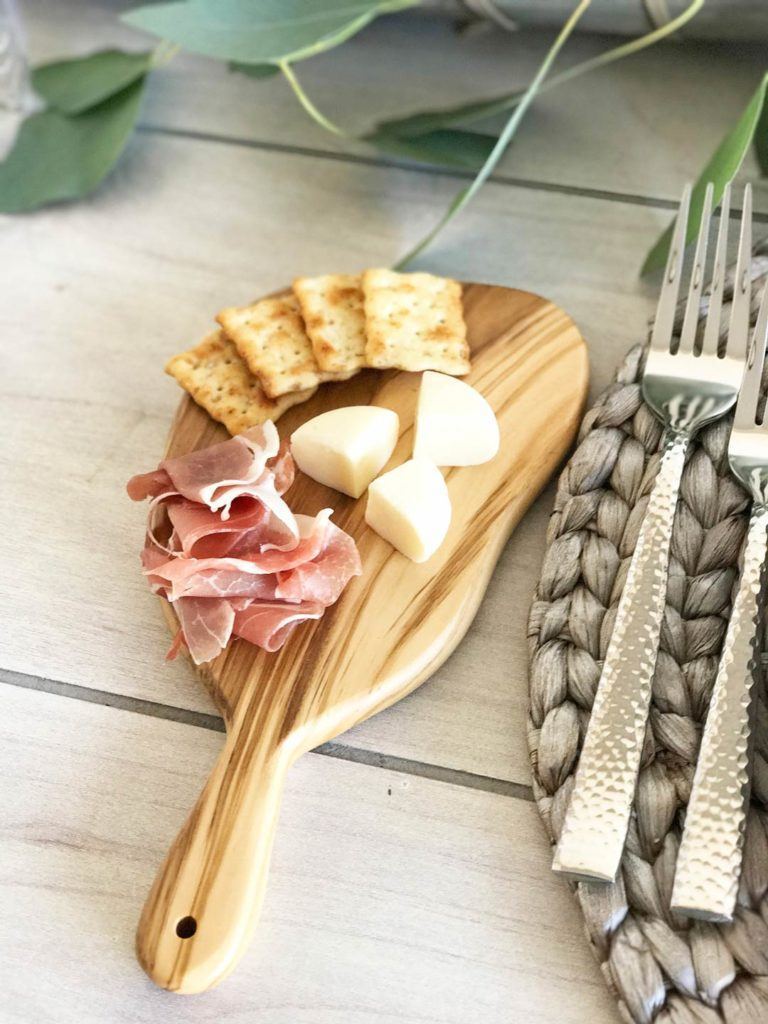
661,968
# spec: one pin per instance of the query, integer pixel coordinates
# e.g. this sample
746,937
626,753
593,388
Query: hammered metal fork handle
595,826
709,862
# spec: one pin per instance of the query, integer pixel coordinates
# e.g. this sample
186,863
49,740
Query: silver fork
709,861
687,389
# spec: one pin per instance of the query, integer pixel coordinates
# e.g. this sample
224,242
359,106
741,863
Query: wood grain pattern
392,627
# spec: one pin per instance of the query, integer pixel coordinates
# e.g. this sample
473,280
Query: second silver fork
687,386
709,862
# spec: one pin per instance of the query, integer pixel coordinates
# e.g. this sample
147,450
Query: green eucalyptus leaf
722,166
460,149
761,139
73,86
255,70
260,31
58,157
429,121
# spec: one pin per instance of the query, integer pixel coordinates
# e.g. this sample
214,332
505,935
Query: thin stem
467,194
308,105
626,49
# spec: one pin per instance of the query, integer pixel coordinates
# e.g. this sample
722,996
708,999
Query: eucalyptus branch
467,194
308,105
626,49
479,110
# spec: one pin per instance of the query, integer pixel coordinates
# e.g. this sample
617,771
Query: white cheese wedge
346,448
455,426
410,507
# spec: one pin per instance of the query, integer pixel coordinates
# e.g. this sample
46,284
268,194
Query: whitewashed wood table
411,878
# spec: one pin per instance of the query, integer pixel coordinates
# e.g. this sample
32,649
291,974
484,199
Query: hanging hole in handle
186,927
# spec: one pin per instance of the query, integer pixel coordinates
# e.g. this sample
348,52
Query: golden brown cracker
270,336
334,317
214,374
414,322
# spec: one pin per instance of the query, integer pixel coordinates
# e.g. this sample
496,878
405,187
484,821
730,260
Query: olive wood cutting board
391,629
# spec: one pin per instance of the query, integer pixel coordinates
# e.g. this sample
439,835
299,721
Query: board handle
204,904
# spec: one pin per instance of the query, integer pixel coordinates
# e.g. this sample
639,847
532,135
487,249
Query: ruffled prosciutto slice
250,464
204,475
149,485
239,576
325,576
201,533
199,475
269,624
206,627
234,560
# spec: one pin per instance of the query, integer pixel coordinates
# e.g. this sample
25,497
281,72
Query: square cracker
270,337
414,322
217,378
332,307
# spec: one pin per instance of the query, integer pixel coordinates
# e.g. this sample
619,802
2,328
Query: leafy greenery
458,148
72,86
428,121
260,31
724,163
255,70
65,151
61,157
463,197
761,140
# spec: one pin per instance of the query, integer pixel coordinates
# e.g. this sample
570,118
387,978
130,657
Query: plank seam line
334,749
629,198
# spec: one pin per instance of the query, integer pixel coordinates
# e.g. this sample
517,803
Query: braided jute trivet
660,967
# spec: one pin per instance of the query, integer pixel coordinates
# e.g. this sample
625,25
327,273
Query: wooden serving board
391,629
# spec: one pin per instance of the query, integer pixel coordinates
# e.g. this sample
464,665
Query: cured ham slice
205,625
325,576
225,549
268,624
242,575
250,464
203,534
149,485
207,474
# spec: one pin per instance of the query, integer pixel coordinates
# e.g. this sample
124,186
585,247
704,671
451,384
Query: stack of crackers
275,353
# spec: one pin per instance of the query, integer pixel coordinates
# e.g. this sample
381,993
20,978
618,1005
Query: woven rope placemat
660,967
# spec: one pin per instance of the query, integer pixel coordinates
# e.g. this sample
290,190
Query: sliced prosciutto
324,577
226,550
268,624
248,465
249,569
206,626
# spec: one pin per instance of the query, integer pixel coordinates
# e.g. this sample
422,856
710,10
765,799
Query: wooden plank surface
102,292
391,897
654,119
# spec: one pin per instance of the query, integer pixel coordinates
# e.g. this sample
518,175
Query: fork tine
749,396
691,319
661,335
738,330
711,340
